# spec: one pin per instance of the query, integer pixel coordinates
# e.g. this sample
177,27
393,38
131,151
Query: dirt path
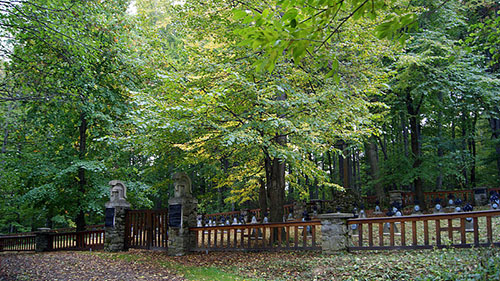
76,266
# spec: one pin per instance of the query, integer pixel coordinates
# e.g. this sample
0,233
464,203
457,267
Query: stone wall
115,235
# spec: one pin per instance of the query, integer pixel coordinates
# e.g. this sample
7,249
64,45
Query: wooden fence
257,212
466,195
146,229
83,240
259,237
481,228
17,243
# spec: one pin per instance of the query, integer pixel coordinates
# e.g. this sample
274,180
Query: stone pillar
396,196
181,216
43,240
334,232
114,227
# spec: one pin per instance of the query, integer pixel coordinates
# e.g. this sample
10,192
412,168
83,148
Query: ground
445,264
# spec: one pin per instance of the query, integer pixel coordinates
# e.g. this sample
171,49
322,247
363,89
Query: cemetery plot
257,237
427,231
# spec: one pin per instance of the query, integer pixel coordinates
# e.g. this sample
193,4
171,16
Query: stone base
334,232
114,238
180,239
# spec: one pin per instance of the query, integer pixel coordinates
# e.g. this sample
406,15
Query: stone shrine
115,217
182,215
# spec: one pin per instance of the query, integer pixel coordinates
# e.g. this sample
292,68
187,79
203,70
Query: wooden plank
264,236
370,234
235,239
489,230
426,232
392,234
288,237
476,231
381,234
296,240
414,233
403,233
450,230
360,226
304,237
438,232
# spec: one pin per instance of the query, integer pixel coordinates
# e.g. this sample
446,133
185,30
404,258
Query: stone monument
181,216
115,211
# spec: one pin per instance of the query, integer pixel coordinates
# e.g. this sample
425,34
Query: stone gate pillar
114,226
43,240
181,216
334,232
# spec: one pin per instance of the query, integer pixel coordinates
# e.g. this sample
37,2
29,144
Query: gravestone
396,196
416,208
377,211
438,208
362,214
114,226
450,207
494,201
480,196
183,216
469,222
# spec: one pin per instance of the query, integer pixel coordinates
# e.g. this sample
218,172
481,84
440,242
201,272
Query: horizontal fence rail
259,237
17,243
462,230
83,240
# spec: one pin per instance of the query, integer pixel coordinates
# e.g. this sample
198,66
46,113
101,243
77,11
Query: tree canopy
262,103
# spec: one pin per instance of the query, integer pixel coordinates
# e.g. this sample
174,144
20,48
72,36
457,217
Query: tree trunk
371,153
405,134
495,128
414,112
80,218
262,198
440,152
331,166
275,176
464,148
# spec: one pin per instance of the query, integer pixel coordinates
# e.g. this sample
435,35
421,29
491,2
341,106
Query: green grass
160,259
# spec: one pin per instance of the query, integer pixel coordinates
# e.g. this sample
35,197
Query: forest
262,103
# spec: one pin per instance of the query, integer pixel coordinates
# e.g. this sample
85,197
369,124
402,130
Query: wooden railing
462,230
83,240
17,243
259,237
68,229
146,229
430,197
257,212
